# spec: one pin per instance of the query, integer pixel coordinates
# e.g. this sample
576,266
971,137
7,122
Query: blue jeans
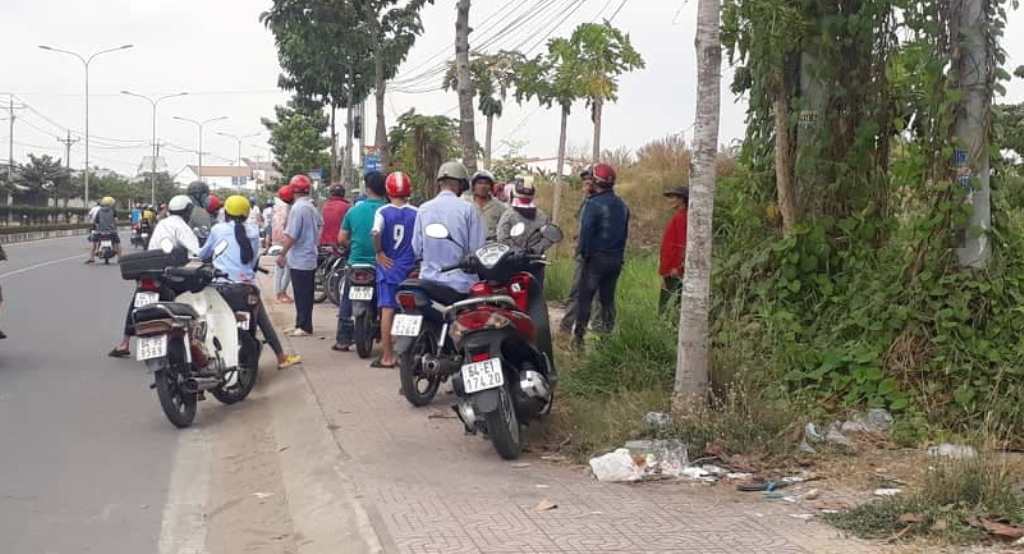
346,327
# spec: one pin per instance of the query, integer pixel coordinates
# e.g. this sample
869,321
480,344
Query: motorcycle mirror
220,248
517,230
167,245
552,233
436,231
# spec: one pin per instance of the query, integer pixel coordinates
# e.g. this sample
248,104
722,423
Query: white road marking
183,529
40,265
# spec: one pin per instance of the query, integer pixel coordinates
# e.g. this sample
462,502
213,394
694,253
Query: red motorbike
502,365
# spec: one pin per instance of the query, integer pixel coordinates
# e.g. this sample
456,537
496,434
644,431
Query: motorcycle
493,343
193,332
140,236
362,292
327,258
336,276
106,246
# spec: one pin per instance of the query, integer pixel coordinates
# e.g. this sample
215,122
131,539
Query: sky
220,54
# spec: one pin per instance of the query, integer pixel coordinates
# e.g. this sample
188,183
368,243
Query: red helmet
300,184
213,204
399,185
603,174
286,193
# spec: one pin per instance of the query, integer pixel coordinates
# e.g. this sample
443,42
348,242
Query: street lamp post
85,63
200,124
153,102
239,140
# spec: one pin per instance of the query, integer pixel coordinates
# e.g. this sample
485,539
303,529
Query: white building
221,176
263,172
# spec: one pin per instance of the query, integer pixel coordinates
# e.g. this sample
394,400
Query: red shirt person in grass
673,249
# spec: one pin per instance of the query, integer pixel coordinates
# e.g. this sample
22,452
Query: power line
618,10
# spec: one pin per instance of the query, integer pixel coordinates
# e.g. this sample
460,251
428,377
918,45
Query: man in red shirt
334,211
673,249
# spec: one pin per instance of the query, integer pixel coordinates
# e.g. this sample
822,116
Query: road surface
86,453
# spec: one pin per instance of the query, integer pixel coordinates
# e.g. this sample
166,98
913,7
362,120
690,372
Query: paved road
87,453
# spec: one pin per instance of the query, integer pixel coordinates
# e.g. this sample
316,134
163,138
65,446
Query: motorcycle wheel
248,370
364,335
503,427
179,406
320,285
410,374
334,287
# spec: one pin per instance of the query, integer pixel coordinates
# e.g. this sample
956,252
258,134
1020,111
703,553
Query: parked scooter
495,343
327,258
194,333
362,292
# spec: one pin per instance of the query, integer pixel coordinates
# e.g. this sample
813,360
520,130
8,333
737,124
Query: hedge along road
86,453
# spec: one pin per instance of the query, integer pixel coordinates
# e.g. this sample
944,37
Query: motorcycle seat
160,311
436,291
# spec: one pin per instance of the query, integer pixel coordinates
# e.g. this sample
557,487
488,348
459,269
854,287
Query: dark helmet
198,191
338,190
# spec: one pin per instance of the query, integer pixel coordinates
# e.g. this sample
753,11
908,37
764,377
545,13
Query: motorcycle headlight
491,254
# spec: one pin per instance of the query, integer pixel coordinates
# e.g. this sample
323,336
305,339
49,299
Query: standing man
356,235
299,252
334,211
569,319
482,197
673,249
393,227
604,228
465,229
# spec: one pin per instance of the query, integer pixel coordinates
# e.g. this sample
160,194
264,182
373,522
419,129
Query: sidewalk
425,487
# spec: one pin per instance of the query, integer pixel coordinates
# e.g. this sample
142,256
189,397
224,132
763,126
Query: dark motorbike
140,235
328,257
195,333
494,343
362,293
336,271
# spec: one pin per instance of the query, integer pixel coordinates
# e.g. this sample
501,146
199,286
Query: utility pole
67,149
10,136
467,130
972,66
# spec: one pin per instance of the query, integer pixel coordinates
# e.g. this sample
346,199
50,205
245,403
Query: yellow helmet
107,201
237,206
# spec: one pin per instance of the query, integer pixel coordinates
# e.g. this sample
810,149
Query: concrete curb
15,238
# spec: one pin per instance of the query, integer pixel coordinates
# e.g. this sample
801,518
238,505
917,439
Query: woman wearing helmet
525,211
240,260
279,219
214,208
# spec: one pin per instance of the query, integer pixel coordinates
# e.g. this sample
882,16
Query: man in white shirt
176,228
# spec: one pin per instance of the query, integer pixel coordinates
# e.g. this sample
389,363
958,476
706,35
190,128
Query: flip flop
292,359
118,353
377,364
341,347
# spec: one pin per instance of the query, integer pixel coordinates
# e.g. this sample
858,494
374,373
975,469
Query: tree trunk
784,164
972,66
487,146
693,353
381,136
557,205
597,111
334,147
810,174
467,129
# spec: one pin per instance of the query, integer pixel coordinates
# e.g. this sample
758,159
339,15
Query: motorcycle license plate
147,348
107,244
406,325
146,298
483,375
360,293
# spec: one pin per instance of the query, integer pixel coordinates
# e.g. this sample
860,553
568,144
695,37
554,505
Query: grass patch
955,497
558,279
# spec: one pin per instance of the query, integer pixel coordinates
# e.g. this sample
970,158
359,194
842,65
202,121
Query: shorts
386,295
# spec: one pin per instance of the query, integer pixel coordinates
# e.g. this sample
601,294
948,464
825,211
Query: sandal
378,364
338,347
118,353
290,360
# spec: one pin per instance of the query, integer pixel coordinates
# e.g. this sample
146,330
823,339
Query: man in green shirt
356,234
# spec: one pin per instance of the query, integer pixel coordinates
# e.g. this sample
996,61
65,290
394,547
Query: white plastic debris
887,492
712,469
805,517
739,476
954,451
876,420
836,436
616,467
657,420
812,433
662,457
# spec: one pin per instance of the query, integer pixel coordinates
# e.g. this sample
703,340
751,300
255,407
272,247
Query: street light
154,102
239,140
85,62
200,124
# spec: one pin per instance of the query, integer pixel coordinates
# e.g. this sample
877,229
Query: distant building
221,176
263,172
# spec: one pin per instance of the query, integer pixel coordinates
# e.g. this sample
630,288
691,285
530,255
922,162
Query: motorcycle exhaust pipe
433,365
196,384
535,385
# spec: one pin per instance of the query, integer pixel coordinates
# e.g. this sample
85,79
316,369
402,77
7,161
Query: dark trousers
571,313
599,277
267,328
303,283
346,327
671,290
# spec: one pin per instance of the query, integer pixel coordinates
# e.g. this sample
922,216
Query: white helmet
180,205
483,174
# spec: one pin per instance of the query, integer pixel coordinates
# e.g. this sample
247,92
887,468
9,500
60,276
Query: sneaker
299,333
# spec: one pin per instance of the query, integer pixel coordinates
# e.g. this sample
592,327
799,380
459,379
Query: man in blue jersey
393,226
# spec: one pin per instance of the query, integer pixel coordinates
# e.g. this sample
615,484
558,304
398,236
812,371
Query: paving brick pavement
428,488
